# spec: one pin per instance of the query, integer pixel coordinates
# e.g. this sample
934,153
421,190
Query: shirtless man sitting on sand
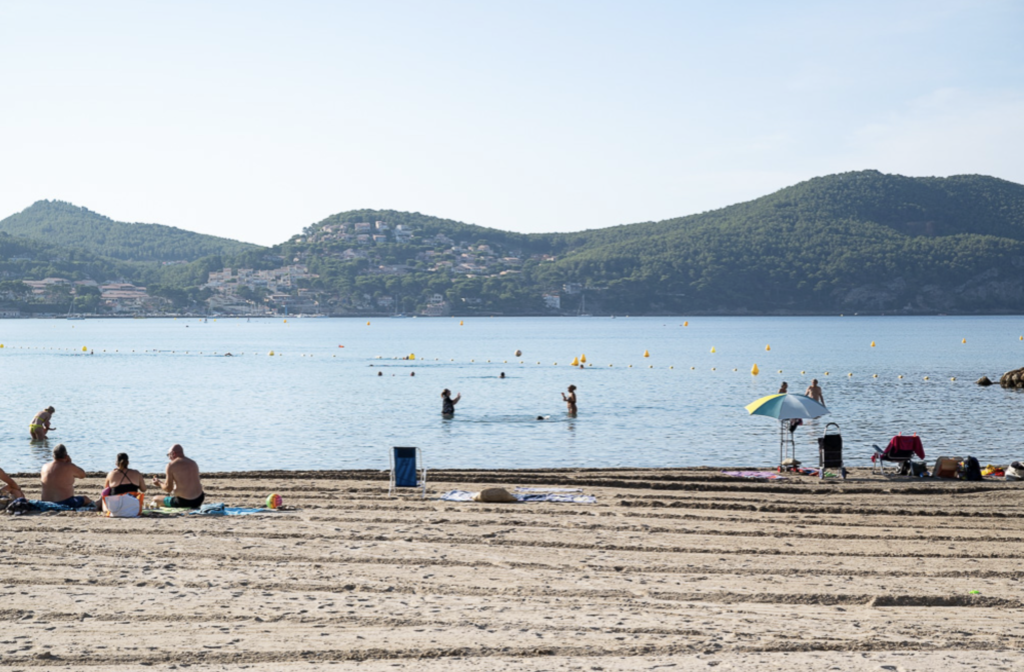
58,478
182,482
40,424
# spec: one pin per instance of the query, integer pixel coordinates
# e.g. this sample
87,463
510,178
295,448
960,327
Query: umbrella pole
786,443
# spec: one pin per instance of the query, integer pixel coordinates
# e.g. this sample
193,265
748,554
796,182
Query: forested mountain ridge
71,226
859,241
854,241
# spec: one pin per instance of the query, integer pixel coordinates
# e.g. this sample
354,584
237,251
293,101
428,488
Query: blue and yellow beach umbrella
787,407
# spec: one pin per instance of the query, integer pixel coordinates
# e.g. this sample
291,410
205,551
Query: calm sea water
152,383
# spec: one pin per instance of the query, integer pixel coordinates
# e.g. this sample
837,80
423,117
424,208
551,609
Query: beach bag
495,495
946,467
972,470
128,505
918,469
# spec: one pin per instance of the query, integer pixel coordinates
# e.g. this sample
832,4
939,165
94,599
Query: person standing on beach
181,482
814,392
448,404
58,479
40,424
570,401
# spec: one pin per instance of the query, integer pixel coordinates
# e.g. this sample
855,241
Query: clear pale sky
253,119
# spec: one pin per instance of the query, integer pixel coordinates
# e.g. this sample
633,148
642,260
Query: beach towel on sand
222,509
40,505
465,496
760,475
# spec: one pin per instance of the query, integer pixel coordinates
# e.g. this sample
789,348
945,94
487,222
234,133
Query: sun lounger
404,463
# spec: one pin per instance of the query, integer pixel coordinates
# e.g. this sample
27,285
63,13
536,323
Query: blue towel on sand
222,509
464,496
40,505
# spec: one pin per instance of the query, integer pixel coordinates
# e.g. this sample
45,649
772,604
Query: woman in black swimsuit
448,404
123,479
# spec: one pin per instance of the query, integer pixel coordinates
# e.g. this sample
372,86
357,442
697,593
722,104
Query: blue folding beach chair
404,463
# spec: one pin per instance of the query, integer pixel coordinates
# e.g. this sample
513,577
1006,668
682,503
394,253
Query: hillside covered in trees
861,241
67,225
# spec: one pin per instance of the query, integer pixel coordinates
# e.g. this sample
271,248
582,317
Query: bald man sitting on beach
58,479
182,482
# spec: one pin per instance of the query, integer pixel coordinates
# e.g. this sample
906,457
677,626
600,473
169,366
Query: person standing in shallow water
570,401
784,388
814,392
448,404
40,424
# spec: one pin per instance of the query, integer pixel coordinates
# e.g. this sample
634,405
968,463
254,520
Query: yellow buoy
460,323
849,375
826,373
1,345
286,321
734,369
963,340
875,375
803,373
900,376
953,378
647,353
671,367
686,324
367,324
575,361
609,366
631,366
85,349
692,368
926,377
754,371
872,344
768,348
583,359
650,366
713,368
412,355
780,370
712,348
271,353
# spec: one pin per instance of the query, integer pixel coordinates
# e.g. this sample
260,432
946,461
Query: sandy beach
669,569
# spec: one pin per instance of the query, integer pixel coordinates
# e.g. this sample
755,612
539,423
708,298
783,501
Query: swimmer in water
502,375
448,404
570,401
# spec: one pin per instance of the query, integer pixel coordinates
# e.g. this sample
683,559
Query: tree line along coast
862,241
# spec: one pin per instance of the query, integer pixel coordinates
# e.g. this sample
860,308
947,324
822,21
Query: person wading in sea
570,401
40,424
814,392
448,404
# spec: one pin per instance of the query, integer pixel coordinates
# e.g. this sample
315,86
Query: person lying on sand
181,481
11,488
40,424
58,479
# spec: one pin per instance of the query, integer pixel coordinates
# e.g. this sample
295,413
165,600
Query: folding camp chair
901,450
404,462
830,452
